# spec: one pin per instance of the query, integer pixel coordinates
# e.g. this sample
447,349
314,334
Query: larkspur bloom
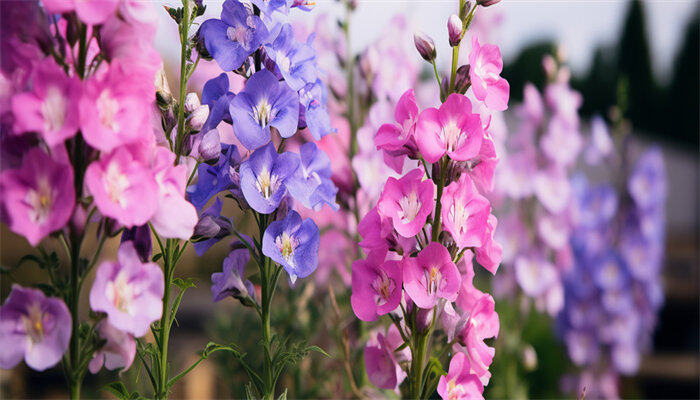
213,179
231,39
460,383
398,140
293,244
140,236
33,327
118,351
39,196
217,96
313,98
407,202
465,213
264,177
451,129
91,12
311,183
211,228
265,103
484,73
378,233
295,61
51,107
129,291
431,276
123,187
382,359
232,282
376,286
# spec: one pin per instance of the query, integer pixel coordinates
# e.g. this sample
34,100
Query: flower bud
465,10
164,97
486,3
454,30
425,46
78,220
210,146
198,117
140,236
192,102
462,81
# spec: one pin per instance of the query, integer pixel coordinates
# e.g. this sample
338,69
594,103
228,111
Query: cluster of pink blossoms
79,145
427,229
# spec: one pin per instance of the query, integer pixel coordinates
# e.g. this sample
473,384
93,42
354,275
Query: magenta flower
51,107
382,360
407,201
38,197
465,213
129,291
431,276
484,74
490,254
118,352
378,234
123,187
460,383
376,286
451,129
91,12
174,216
34,327
114,109
396,140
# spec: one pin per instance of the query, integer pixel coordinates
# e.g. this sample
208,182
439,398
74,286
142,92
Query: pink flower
174,216
378,234
431,276
397,140
490,254
118,351
407,201
123,187
129,291
382,360
39,196
535,274
460,383
562,143
376,286
482,169
451,129
51,107
553,189
114,109
484,74
465,213
91,12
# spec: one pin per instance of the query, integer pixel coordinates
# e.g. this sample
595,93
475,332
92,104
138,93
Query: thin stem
453,74
184,30
438,202
76,375
437,77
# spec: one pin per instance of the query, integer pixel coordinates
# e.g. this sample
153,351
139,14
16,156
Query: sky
579,25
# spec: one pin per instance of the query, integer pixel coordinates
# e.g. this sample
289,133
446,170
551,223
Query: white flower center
121,294
34,322
40,201
286,245
239,34
107,109
410,206
263,113
451,135
455,391
433,279
266,183
116,183
53,109
283,61
459,215
383,288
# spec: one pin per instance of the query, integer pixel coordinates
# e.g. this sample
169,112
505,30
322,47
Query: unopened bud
198,117
462,81
454,30
486,3
465,10
210,146
140,236
192,102
78,220
425,46
164,97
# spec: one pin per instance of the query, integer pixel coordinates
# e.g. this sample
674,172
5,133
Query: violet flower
311,184
232,282
295,61
264,176
293,243
118,351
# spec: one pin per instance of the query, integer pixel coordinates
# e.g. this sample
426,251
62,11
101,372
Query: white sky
579,25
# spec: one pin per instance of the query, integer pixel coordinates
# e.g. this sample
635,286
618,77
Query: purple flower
295,61
264,176
647,184
231,39
311,184
211,228
264,103
213,179
38,197
232,282
140,236
314,114
382,360
129,291
269,10
118,352
217,96
34,327
293,243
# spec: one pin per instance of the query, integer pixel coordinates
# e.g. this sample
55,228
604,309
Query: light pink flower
460,383
376,286
431,276
562,143
465,213
451,129
113,109
553,189
535,274
490,254
118,351
38,197
123,187
484,73
91,12
174,217
407,201
51,107
397,140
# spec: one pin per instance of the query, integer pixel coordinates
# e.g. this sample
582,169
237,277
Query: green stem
437,77
417,366
164,333
453,74
438,202
75,374
184,30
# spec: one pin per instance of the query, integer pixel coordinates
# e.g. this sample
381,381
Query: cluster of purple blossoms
613,292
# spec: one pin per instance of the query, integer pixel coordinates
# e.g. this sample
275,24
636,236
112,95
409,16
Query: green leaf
120,391
283,396
157,257
318,350
431,377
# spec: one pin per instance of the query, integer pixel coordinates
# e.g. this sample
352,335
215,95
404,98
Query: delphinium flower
266,176
423,237
81,93
613,291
